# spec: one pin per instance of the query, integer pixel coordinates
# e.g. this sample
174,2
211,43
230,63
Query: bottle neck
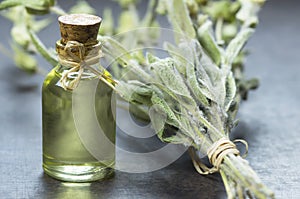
74,51
76,62
75,56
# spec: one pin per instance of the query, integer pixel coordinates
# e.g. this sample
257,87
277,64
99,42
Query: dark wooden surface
270,122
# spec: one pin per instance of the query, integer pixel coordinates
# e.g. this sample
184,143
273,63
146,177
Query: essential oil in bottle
78,119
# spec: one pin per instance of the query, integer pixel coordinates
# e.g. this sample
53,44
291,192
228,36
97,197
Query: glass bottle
78,124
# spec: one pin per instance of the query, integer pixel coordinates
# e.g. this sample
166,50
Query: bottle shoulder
51,87
52,77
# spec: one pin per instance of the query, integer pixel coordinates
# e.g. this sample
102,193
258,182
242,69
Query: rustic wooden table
269,121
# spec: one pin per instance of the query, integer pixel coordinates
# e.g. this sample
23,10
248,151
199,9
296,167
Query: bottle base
78,173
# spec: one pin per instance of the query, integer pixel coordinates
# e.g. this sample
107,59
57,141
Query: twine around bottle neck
77,58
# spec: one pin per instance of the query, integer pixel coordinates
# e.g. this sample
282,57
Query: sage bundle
192,96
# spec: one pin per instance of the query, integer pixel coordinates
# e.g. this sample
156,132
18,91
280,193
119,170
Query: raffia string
76,65
216,154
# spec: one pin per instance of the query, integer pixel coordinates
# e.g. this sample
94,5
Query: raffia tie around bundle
216,154
76,65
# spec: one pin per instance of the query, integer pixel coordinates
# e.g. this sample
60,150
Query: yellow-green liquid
73,148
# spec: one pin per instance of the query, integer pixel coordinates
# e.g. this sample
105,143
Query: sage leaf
171,117
38,7
230,91
189,53
115,50
208,42
158,118
10,3
171,79
181,100
20,35
236,45
206,73
134,92
176,53
249,9
178,16
39,4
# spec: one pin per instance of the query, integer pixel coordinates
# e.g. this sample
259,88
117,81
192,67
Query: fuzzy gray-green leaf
158,118
178,16
230,91
171,79
117,52
171,117
176,53
189,53
134,92
236,45
208,42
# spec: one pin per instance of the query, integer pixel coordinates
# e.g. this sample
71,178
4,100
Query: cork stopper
79,27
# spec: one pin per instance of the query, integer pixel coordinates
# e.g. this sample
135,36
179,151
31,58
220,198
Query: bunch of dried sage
196,91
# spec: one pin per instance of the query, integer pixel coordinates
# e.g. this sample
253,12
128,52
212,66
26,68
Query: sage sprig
195,91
